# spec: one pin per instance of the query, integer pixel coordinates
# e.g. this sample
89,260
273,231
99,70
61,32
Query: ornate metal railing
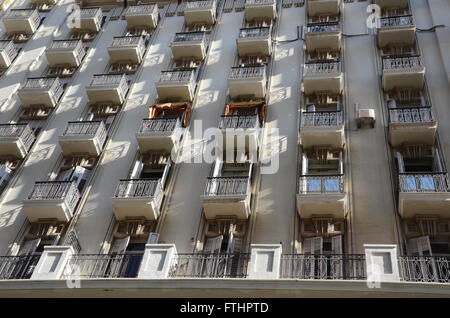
90,12
53,84
69,45
23,14
95,128
139,188
9,48
210,265
177,76
200,4
321,184
323,27
56,190
338,266
19,130
18,267
82,266
127,41
325,118
424,182
322,67
248,72
403,62
411,115
424,268
189,36
254,32
144,9
223,186
110,80
151,125
238,121
256,2
396,21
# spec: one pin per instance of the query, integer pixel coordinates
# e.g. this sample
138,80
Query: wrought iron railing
19,130
254,32
248,72
18,267
177,76
152,125
256,2
127,41
411,115
94,128
9,48
323,27
139,188
321,118
53,84
144,9
56,190
336,266
396,21
309,184
210,265
200,4
76,45
238,121
322,67
223,186
424,269
90,12
82,266
110,80
403,62
424,182
189,36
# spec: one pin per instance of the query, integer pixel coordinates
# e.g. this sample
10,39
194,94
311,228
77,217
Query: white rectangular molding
52,262
264,261
381,264
157,261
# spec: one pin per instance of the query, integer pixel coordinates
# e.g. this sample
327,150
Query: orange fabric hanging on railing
230,108
156,109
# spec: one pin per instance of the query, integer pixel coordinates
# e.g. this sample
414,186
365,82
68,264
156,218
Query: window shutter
153,238
119,246
5,175
311,108
312,245
80,176
213,244
29,247
341,162
318,244
336,264
336,244
56,239
304,164
400,162
166,172
65,175
230,246
420,246
217,168
137,169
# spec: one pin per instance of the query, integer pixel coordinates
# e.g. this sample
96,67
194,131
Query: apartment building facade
326,121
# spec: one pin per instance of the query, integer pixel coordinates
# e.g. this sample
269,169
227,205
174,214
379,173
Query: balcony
200,12
189,45
430,269
247,81
42,91
90,20
159,134
15,140
323,76
209,265
412,125
83,137
397,30
52,200
321,36
126,49
227,196
138,198
323,7
260,9
319,267
244,127
18,267
98,3
321,195
403,72
176,85
255,42
145,15
21,23
8,53
391,3
424,193
105,88
65,52
322,128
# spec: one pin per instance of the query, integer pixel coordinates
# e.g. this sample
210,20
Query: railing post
381,264
265,261
52,262
157,261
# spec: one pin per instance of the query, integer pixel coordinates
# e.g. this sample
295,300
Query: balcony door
421,266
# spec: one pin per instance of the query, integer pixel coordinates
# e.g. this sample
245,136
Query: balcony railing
256,2
210,265
401,62
139,188
68,45
177,76
127,41
310,184
223,186
325,118
322,67
18,267
189,36
199,4
424,182
411,115
103,266
338,266
434,269
145,9
19,130
90,12
95,129
323,27
42,83
396,21
8,47
15,14
109,80
56,190
159,125
238,121
254,32
248,72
